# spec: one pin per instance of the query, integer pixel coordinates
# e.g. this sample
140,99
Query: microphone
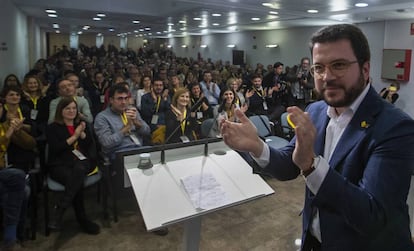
192,108
219,111
196,104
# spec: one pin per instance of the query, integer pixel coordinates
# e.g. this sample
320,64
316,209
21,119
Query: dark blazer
362,200
149,108
60,153
172,124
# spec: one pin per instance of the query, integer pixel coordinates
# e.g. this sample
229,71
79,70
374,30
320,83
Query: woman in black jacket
70,161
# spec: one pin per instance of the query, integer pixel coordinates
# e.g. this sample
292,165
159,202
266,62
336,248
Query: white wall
13,27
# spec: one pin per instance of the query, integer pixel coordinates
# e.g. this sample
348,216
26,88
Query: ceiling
171,18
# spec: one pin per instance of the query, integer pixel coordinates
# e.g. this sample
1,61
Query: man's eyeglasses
337,68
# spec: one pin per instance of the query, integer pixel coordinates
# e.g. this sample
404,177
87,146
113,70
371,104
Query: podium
161,195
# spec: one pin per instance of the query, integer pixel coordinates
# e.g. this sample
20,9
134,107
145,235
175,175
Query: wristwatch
315,163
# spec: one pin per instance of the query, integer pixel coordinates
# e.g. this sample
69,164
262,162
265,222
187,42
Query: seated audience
17,155
13,190
120,126
146,82
229,104
179,116
203,110
71,159
258,98
210,89
154,105
66,88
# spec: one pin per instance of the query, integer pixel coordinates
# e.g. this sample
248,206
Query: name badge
154,119
184,139
199,115
135,139
33,114
102,98
265,105
79,155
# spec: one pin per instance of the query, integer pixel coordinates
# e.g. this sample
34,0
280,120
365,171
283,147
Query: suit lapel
359,126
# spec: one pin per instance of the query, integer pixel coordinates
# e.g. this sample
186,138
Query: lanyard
124,118
2,133
19,111
184,121
34,100
259,93
193,102
158,104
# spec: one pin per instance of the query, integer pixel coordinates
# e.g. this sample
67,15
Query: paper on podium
204,191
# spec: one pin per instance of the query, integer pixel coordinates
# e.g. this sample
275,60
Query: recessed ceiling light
158,32
215,24
216,15
274,12
50,11
99,34
183,29
170,24
203,46
52,15
182,22
312,11
80,32
361,5
100,15
197,18
57,31
267,4
56,26
255,18
147,28
184,46
135,22
97,19
111,29
231,45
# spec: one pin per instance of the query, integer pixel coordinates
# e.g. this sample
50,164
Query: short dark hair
10,88
118,88
256,75
349,32
277,64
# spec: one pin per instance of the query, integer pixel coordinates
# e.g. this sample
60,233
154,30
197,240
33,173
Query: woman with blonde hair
180,125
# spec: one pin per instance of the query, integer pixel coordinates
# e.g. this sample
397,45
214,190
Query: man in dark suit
354,150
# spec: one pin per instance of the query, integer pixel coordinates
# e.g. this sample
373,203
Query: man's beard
350,95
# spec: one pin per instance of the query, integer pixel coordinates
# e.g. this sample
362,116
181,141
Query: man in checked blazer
354,150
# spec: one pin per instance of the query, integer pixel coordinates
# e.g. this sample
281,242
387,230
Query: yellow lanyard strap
124,118
34,100
184,122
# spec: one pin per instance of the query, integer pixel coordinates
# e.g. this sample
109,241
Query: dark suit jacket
172,124
60,153
362,200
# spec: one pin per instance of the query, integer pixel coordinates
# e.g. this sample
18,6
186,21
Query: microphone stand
176,129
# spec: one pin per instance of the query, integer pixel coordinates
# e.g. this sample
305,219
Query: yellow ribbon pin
290,122
364,124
